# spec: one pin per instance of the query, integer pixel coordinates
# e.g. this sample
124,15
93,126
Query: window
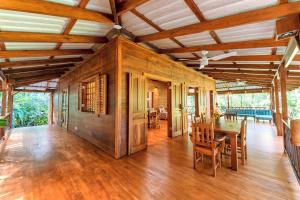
89,96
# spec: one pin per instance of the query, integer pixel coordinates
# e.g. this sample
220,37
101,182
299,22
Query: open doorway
157,111
191,106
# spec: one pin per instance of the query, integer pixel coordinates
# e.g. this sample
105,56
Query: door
137,140
184,110
65,108
175,108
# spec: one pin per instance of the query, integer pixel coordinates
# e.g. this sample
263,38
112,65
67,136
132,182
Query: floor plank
46,162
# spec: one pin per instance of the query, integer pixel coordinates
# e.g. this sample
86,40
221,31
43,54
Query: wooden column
4,96
228,102
278,114
10,103
197,106
272,98
50,108
283,80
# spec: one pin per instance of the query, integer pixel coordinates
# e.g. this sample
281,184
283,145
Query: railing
255,108
292,151
7,125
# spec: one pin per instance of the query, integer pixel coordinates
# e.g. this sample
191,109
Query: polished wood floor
48,163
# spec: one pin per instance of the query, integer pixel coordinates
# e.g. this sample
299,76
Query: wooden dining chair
230,116
241,143
205,143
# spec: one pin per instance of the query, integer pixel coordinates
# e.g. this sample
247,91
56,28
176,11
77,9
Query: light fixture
117,26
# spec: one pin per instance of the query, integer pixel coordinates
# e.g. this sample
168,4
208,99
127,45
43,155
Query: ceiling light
117,26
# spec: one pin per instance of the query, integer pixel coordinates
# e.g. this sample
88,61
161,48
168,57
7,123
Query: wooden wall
160,93
140,60
117,59
97,129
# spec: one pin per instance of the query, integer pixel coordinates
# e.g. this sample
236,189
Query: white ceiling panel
66,2
28,22
165,44
29,58
253,51
252,62
136,25
183,55
77,46
213,9
29,46
83,27
196,39
99,5
256,31
168,14
2,60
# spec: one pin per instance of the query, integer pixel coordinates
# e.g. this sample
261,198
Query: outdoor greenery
29,109
261,100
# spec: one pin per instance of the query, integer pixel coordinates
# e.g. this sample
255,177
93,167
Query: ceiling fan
204,60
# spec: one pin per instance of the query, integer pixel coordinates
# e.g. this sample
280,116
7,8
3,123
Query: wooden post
272,98
197,106
3,105
278,114
283,80
50,108
228,102
10,105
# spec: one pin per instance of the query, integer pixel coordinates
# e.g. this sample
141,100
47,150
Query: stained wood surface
49,163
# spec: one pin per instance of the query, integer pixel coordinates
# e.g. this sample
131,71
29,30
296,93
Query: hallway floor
46,162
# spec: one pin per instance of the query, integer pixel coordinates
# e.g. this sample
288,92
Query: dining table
230,128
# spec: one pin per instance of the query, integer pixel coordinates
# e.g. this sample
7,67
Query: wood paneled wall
160,93
116,59
97,129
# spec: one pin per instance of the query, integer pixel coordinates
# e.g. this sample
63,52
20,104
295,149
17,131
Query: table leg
234,157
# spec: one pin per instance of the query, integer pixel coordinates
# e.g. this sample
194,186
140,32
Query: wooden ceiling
64,34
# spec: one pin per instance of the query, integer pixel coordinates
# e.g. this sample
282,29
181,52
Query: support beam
283,91
39,62
237,66
234,71
277,106
38,73
36,79
54,9
49,37
50,108
229,46
41,53
272,96
265,90
273,12
4,97
35,69
267,58
129,5
10,103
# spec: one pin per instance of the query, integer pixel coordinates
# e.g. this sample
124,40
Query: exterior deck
46,162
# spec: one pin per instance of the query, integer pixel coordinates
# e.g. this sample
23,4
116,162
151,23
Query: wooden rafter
34,69
32,80
229,46
54,9
259,15
129,5
37,73
237,66
39,62
267,58
41,53
47,37
234,71
263,90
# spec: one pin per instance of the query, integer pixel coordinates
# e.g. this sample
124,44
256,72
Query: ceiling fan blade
222,56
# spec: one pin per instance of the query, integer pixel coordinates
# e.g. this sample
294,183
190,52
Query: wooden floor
48,163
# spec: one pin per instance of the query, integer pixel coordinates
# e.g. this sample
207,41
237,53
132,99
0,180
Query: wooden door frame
67,89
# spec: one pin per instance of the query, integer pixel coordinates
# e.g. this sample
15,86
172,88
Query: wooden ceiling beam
49,37
264,90
254,16
236,66
37,73
25,82
267,58
39,62
55,9
240,76
33,69
128,6
233,71
42,53
229,46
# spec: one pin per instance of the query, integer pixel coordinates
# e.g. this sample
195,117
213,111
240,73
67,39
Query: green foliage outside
29,109
261,100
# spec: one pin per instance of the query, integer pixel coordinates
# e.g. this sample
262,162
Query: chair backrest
197,119
243,132
203,116
203,134
230,116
